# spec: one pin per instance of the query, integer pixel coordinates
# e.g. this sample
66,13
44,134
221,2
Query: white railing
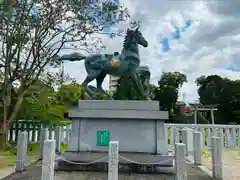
230,134
34,133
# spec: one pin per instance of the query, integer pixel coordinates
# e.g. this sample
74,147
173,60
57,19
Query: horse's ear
138,26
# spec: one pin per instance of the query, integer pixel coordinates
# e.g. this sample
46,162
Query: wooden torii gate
197,109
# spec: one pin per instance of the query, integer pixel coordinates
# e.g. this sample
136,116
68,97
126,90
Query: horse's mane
127,38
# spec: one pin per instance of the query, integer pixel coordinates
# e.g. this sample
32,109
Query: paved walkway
33,172
6,171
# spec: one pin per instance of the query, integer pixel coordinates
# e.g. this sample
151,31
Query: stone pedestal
138,126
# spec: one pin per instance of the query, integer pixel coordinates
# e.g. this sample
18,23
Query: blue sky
35,11
114,1
233,68
97,8
176,34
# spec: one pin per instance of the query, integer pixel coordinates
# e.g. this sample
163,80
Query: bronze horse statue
125,63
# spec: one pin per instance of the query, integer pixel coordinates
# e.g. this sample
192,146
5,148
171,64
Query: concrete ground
6,171
231,163
33,172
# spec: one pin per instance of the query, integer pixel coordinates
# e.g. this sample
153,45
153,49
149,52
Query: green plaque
103,138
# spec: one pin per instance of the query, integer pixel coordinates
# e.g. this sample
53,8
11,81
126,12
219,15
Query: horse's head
137,37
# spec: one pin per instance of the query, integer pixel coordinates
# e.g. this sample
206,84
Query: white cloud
209,46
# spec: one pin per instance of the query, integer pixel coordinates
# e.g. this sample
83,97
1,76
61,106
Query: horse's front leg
137,81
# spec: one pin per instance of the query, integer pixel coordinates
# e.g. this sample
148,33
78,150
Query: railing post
221,135
197,136
203,136
188,140
21,151
171,136
58,138
62,134
43,137
234,139
238,137
228,138
180,166
67,133
166,135
214,131
113,160
209,137
217,158
48,160
185,140
229,141
175,135
39,128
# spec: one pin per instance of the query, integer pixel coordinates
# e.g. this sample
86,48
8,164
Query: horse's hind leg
138,84
99,80
87,80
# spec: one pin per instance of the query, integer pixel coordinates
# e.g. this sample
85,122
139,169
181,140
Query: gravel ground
33,172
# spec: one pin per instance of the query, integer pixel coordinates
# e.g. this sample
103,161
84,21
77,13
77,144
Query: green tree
223,92
100,95
40,104
125,89
29,42
71,93
210,88
168,89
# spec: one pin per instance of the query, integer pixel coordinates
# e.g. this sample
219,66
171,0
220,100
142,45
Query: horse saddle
115,63
115,59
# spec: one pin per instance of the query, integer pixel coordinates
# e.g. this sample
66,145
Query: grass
63,147
9,159
206,153
232,150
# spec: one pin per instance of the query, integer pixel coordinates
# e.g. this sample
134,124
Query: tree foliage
44,103
168,89
166,92
125,89
29,41
70,93
223,92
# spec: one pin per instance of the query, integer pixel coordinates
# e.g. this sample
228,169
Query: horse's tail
73,57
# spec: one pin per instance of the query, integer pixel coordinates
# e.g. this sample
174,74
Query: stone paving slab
231,163
33,172
6,171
